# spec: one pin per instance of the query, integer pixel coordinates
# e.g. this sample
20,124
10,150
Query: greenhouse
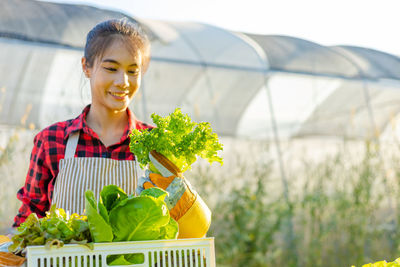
211,73
276,94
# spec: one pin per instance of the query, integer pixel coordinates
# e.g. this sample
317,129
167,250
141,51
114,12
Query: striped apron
76,175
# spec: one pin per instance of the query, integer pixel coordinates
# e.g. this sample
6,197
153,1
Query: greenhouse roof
211,73
290,54
371,63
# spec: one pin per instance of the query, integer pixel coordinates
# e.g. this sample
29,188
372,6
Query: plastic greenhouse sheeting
187,70
244,84
210,73
60,24
340,91
371,64
359,108
298,56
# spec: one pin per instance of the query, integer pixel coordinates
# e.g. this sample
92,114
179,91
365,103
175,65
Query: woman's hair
104,33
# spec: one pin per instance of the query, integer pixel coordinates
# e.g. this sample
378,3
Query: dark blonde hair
104,33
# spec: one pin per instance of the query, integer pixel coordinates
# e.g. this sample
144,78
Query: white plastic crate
194,252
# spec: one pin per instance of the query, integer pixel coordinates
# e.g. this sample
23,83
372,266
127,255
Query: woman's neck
108,124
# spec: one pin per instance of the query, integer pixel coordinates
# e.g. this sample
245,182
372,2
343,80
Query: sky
367,23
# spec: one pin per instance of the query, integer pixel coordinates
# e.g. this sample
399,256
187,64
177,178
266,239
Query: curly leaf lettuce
56,228
178,138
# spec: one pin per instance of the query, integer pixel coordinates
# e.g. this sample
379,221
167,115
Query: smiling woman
92,150
114,80
115,58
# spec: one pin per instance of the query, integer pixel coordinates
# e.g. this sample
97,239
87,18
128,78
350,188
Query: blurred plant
14,160
336,208
247,225
339,205
247,216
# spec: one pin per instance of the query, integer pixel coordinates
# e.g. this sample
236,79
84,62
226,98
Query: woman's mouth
118,96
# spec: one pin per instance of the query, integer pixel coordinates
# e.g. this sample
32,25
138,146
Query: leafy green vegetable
178,138
170,230
155,192
126,259
119,217
111,195
99,227
395,263
139,218
55,229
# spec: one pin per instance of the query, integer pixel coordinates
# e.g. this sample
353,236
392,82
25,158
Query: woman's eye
111,69
133,71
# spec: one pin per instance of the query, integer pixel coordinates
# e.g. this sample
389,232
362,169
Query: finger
142,180
147,185
161,181
140,187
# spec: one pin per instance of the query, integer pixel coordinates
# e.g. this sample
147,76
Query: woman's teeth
118,94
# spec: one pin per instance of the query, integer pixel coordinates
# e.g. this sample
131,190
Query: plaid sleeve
141,125
34,195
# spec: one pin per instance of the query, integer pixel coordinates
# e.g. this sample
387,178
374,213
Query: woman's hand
185,205
180,197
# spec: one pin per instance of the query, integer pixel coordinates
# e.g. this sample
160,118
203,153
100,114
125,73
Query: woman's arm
184,203
34,194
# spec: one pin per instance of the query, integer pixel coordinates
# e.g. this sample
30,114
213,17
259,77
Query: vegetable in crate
170,149
55,229
178,138
119,217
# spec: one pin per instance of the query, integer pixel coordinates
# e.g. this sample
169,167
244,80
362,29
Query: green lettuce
56,228
99,226
119,217
178,138
139,218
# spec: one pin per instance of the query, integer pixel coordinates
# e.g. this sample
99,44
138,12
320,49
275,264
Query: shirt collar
79,123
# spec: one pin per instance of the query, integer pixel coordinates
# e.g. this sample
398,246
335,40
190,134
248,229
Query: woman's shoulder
55,132
139,125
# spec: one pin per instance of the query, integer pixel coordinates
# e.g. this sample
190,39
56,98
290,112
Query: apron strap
72,143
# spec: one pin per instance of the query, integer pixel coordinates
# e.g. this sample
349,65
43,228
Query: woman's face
115,77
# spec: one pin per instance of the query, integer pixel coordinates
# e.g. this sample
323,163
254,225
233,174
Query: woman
92,150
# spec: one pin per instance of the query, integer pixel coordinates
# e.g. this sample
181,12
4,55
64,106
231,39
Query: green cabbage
178,138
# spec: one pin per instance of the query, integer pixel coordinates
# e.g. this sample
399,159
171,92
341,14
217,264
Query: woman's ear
85,68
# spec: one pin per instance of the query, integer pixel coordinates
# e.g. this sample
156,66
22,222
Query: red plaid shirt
49,148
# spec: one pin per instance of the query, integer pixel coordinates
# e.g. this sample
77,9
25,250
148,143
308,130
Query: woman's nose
122,80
